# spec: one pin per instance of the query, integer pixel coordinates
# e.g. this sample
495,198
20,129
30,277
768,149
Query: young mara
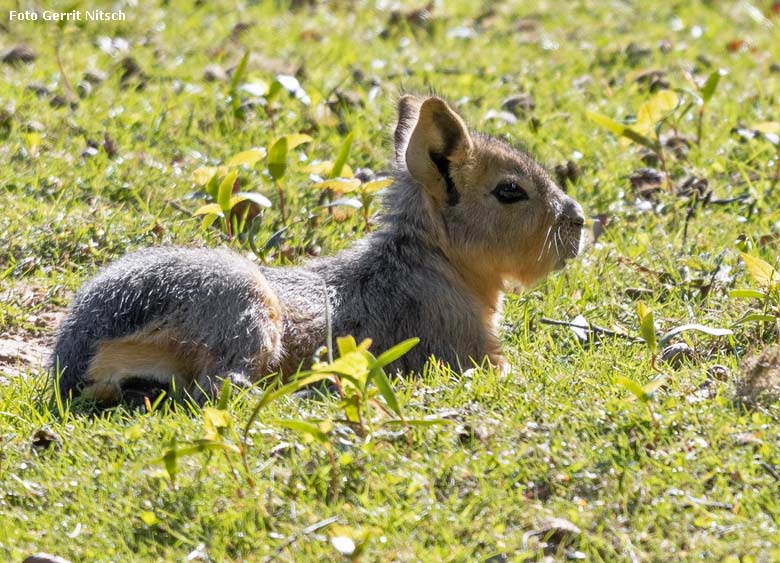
466,213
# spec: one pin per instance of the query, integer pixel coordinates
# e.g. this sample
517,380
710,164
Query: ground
105,130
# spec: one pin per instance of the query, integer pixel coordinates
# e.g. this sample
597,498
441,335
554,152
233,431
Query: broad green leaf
209,209
352,202
212,186
346,344
321,168
696,327
238,74
296,139
342,157
396,351
235,100
169,459
756,318
606,122
247,157
277,158
622,130
376,185
33,141
215,420
747,293
277,155
324,168
762,272
256,198
654,110
209,219
224,396
202,175
710,86
273,90
636,390
646,325
354,364
226,191
339,185
350,404
379,377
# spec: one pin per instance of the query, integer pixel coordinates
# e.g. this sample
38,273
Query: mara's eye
509,192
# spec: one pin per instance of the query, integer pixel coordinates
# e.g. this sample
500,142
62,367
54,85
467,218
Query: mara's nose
573,211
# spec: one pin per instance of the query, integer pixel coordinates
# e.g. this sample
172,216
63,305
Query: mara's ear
408,110
439,139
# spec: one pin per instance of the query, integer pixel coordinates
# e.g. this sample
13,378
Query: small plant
703,98
222,185
647,332
361,381
355,193
277,165
646,130
765,294
340,181
644,393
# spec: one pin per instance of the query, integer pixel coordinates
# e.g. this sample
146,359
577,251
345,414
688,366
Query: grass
557,438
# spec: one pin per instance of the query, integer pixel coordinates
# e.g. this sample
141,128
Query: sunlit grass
557,437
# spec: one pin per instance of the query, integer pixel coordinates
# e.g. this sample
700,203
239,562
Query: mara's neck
413,241
486,287
411,215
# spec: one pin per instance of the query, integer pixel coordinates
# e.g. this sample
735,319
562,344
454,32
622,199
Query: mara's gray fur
465,213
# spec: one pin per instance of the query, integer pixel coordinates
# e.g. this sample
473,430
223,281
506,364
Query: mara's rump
166,318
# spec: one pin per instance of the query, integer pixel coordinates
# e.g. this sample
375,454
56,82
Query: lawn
107,133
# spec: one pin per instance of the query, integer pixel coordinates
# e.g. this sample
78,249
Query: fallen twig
298,535
771,470
595,329
727,201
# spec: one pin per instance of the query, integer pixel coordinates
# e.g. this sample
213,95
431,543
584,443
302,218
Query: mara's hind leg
136,391
141,365
132,369
228,333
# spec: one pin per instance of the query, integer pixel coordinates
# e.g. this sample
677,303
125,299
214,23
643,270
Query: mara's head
498,210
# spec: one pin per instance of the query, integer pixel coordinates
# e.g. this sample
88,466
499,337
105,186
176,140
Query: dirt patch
25,347
21,353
